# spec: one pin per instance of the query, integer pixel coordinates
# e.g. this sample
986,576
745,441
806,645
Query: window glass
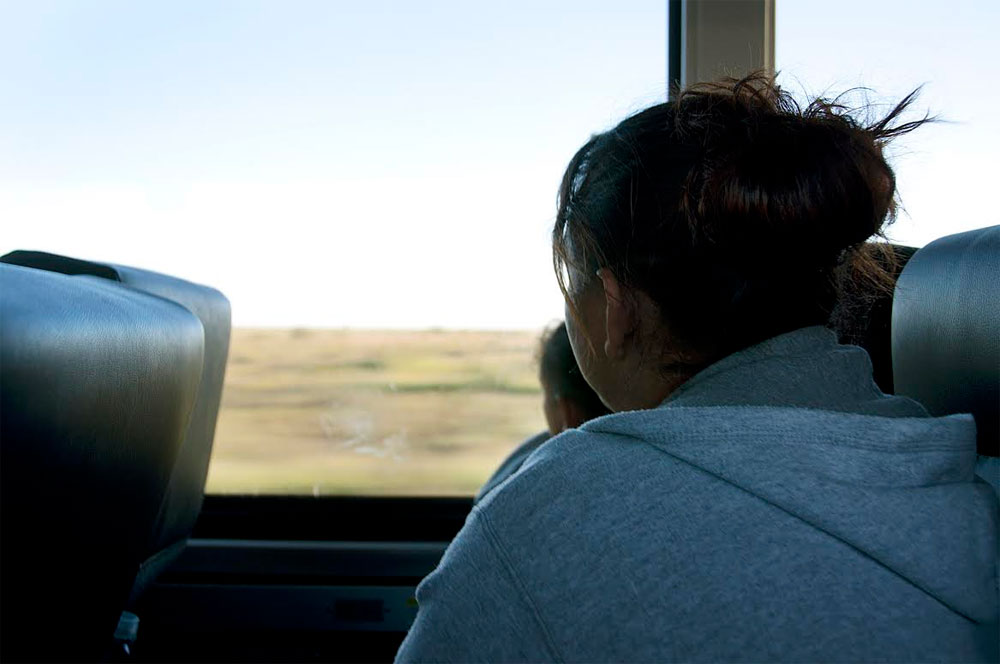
944,170
371,184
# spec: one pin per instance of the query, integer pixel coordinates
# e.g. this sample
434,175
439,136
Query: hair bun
767,183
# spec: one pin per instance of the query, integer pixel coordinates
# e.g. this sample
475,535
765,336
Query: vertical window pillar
712,38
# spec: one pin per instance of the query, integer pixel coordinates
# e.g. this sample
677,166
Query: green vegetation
372,412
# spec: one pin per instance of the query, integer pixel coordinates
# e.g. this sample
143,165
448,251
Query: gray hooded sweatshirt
777,507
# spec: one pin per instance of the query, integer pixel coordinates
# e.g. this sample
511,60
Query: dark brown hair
736,210
559,372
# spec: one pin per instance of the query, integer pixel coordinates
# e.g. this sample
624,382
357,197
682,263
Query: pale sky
395,164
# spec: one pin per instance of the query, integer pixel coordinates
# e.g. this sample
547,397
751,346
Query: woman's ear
619,316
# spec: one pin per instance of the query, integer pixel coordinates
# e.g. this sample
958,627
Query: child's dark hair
734,209
560,374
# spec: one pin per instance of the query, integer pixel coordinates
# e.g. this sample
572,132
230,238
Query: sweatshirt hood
797,422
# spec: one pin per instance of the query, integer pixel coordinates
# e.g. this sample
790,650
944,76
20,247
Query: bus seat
182,502
946,333
97,386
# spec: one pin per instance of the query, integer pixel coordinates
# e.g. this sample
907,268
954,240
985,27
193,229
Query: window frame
706,40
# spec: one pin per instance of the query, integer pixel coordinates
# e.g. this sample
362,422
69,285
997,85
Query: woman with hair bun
754,497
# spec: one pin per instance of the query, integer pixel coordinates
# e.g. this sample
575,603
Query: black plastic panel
332,518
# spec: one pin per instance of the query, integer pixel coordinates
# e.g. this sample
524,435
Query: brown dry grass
372,412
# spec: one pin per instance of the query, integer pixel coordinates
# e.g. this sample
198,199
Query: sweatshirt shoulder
576,475
472,601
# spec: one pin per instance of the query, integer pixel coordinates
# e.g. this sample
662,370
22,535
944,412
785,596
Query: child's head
569,401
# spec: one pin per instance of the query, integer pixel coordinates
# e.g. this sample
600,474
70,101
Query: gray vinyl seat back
185,494
97,386
946,330
183,499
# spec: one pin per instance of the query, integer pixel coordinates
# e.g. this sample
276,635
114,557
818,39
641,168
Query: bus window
371,184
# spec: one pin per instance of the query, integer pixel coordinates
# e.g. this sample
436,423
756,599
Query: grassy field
372,412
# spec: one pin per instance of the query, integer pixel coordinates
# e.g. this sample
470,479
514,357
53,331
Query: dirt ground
324,412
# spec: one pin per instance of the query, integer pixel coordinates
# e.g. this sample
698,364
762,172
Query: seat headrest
183,500
946,330
97,386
